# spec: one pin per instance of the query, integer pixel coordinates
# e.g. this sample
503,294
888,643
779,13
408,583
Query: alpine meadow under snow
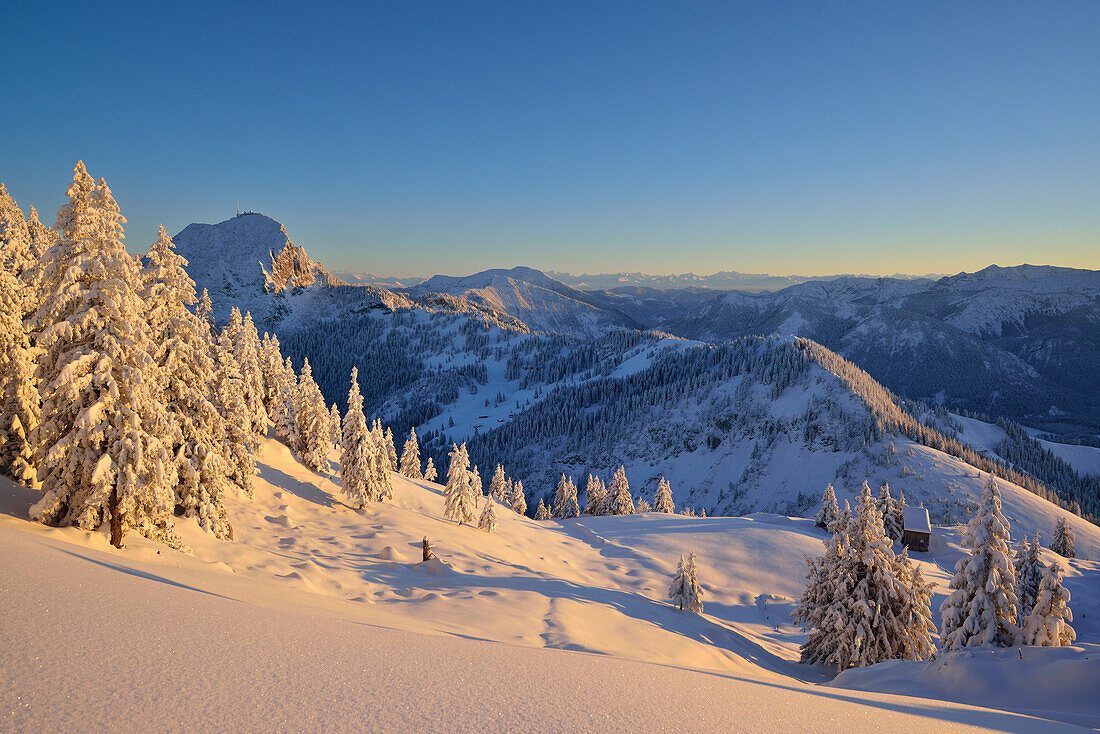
266,498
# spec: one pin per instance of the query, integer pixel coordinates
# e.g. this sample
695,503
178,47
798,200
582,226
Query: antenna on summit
238,207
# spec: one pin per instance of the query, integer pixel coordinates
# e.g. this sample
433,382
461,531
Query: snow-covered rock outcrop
249,251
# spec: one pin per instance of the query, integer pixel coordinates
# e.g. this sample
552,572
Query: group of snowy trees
463,492
891,510
601,499
120,401
863,604
685,591
367,453
589,417
998,600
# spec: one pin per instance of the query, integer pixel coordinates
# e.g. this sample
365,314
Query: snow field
315,597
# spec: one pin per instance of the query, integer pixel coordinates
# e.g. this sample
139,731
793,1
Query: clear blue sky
416,138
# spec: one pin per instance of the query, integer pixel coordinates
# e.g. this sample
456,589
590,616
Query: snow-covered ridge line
892,418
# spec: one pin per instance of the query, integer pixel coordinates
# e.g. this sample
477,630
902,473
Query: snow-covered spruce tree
498,484
271,362
477,488
519,500
246,349
863,604
915,610
253,370
99,459
821,610
829,509
565,499
873,631
19,400
381,488
19,299
204,311
354,458
16,256
1029,570
1062,542
186,373
488,519
684,591
678,589
238,448
375,473
430,473
981,610
312,419
1047,625
892,516
594,500
285,417
334,426
459,503
662,500
410,457
41,239
542,512
391,450
619,494
843,520
607,506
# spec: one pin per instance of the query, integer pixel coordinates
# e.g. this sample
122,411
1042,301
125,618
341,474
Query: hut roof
916,519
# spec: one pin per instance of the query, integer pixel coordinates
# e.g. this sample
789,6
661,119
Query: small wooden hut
916,530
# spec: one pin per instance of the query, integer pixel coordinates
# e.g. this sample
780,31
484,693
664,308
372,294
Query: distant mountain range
722,281
1020,342
382,281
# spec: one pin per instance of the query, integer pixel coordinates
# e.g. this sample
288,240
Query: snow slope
252,660
317,616
1084,459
